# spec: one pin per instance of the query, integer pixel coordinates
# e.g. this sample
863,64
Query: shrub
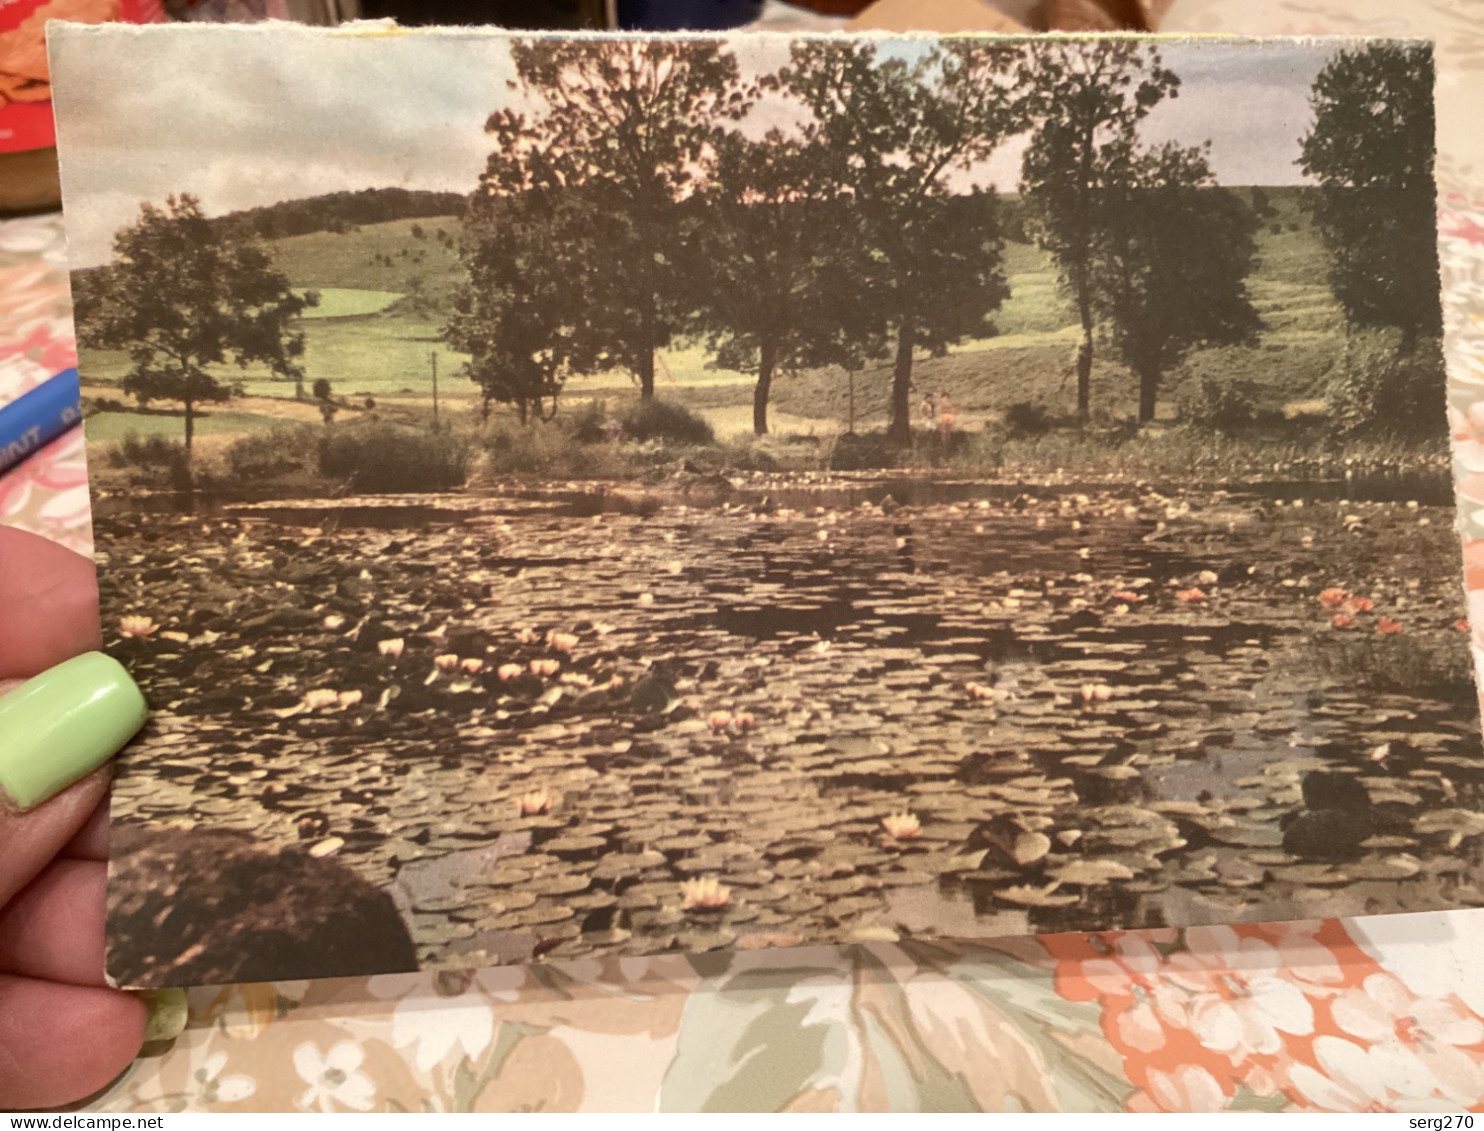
1431,665
551,449
1379,392
264,455
389,458
592,424
155,454
1025,418
855,452
1221,406
150,451
666,422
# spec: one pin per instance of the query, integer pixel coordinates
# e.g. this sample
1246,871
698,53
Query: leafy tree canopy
521,314
1087,101
180,297
895,135
1172,270
786,286
632,127
1371,150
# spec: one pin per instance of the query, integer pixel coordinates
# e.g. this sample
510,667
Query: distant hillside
416,258
340,212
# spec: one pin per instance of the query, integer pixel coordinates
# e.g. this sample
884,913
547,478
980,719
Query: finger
57,730
29,841
48,604
91,842
60,1043
54,929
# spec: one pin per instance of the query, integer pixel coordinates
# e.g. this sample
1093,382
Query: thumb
56,731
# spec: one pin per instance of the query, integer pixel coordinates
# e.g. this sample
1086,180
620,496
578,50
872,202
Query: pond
864,707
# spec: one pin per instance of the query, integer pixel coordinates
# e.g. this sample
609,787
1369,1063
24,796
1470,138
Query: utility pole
433,355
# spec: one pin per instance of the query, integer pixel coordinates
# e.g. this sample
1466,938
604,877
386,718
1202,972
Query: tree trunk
646,354
523,411
1084,354
190,423
1408,344
767,359
900,431
1148,387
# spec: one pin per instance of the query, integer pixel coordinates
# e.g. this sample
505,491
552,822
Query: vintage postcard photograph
601,496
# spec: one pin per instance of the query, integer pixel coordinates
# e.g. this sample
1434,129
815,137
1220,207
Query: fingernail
64,724
169,1010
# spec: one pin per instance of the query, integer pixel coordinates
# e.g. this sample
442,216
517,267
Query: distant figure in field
929,410
947,416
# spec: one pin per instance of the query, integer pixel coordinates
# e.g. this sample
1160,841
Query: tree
785,287
520,315
1172,264
631,126
180,297
895,135
324,397
1087,100
1371,150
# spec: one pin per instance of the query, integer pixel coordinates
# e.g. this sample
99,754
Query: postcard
602,495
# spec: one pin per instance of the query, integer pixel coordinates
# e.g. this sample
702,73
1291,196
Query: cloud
1249,100
246,115
243,118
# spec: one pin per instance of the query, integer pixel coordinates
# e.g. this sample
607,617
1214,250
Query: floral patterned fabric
1371,1014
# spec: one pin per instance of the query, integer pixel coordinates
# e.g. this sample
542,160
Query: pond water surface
1095,707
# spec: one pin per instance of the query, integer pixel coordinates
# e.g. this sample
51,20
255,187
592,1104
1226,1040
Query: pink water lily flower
139,627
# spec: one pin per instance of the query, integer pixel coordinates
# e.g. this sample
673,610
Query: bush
666,422
151,452
855,452
593,424
1375,391
265,455
155,454
390,458
1025,418
1221,406
551,449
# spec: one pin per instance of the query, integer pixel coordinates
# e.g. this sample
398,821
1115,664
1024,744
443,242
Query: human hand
63,1033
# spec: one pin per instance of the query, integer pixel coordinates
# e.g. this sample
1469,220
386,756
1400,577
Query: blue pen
39,417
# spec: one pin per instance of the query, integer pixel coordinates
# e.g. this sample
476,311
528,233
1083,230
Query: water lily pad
1092,873
1026,895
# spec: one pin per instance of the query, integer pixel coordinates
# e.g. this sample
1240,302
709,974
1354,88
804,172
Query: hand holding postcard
579,496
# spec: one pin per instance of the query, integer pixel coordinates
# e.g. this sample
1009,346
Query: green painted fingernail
64,724
169,1010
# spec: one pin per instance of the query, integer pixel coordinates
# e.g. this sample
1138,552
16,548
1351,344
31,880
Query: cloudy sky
243,116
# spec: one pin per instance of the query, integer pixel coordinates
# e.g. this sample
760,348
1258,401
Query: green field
347,302
378,333
111,426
